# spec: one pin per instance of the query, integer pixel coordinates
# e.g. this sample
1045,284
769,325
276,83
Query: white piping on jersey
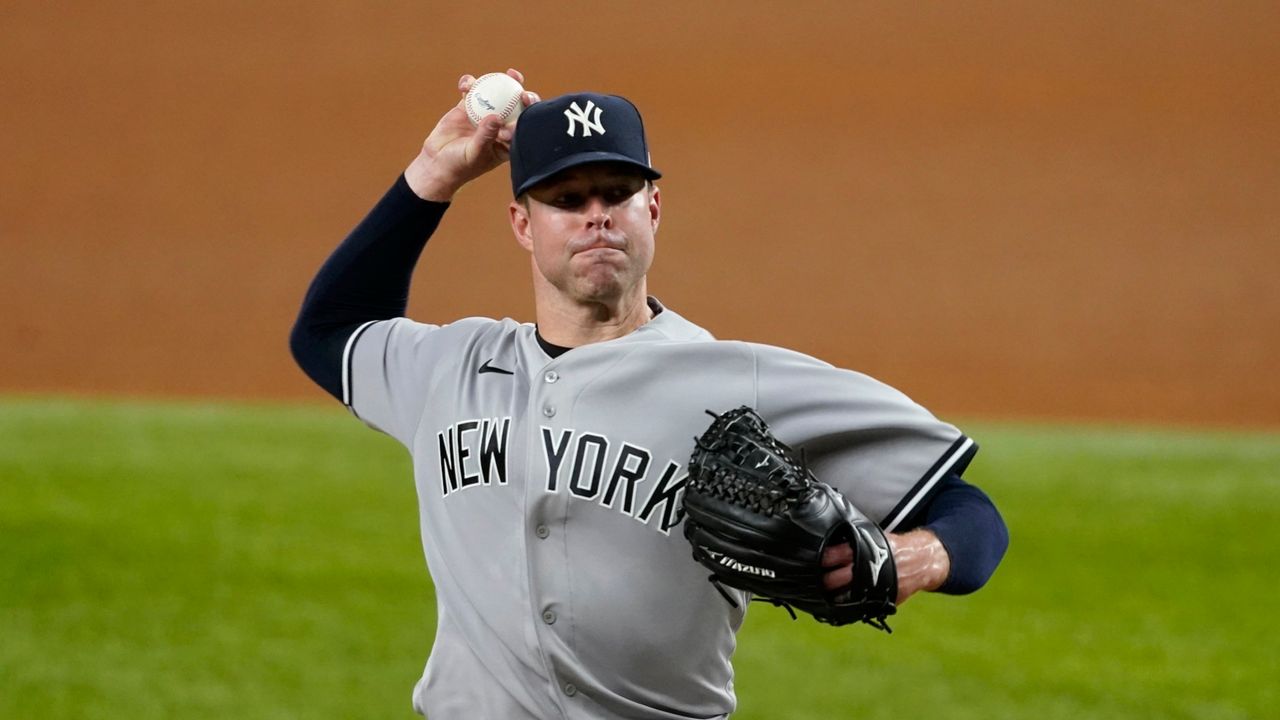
346,362
924,491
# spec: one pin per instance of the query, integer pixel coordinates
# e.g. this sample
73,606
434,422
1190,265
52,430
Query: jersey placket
546,528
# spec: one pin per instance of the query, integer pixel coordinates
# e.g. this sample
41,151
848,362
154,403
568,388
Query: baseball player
550,457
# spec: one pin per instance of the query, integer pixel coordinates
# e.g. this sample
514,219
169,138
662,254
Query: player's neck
572,324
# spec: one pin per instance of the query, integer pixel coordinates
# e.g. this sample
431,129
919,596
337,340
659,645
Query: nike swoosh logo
486,368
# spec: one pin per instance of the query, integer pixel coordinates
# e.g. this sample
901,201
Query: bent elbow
319,355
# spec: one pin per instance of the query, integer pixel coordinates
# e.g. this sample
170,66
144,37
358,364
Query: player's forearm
922,562
366,278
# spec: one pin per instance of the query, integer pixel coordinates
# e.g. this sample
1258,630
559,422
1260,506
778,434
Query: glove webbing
763,495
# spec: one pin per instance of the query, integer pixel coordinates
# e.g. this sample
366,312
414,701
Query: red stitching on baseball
506,112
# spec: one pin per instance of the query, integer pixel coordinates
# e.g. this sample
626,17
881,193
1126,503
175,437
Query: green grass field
216,561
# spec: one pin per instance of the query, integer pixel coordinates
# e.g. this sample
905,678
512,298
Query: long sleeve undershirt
366,278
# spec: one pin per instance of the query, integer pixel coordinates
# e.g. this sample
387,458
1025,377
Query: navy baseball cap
574,129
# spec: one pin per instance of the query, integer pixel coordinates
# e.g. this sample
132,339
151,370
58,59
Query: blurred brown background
1006,209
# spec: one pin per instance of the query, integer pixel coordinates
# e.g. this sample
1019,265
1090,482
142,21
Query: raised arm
367,277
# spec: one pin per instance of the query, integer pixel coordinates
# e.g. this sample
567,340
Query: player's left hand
921,559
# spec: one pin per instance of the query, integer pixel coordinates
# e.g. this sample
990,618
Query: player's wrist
429,181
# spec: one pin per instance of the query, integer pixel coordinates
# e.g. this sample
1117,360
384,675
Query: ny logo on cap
578,116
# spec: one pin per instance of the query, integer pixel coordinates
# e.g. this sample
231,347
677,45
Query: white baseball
494,94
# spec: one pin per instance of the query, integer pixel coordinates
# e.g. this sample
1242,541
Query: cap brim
565,163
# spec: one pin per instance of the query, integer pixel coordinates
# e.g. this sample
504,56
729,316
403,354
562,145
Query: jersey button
542,531
551,376
549,617
570,689
549,411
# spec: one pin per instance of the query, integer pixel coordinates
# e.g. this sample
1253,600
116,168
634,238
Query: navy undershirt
368,276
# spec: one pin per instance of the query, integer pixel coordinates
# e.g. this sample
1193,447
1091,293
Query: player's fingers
465,82
838,578
516,74
837,555
530,98
485,135
505,133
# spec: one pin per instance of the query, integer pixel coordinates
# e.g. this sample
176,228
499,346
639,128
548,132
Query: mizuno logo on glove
728,562
880,553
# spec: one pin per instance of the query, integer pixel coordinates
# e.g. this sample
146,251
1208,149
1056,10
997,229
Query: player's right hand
457,152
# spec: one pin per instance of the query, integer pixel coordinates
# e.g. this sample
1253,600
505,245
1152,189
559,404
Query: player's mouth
598,243
600,251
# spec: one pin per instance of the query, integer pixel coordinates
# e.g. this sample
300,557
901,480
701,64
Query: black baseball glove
759,520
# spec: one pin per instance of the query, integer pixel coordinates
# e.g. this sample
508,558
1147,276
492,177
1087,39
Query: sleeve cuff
954,460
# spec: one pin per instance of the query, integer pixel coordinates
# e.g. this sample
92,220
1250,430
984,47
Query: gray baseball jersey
549,493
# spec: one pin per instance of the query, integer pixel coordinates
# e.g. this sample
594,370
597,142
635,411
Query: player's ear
519,213
655,206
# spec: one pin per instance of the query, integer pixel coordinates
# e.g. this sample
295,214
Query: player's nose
598,214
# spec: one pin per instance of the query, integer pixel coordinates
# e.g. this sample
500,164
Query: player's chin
602,284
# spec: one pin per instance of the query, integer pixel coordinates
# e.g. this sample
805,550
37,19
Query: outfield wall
1022,210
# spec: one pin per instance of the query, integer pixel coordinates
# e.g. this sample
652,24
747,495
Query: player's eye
567,200
618,194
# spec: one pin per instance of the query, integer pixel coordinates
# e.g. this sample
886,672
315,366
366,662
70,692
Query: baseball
494,94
